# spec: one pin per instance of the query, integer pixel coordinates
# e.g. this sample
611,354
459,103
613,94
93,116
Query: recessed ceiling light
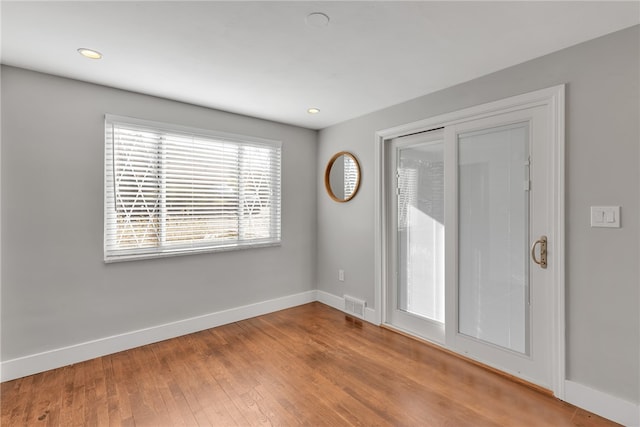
313,110
317,20
89,53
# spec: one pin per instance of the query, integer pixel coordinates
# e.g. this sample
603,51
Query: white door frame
553,99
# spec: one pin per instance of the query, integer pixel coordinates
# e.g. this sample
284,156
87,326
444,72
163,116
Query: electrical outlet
341,275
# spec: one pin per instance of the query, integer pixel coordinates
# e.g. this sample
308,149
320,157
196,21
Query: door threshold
503,374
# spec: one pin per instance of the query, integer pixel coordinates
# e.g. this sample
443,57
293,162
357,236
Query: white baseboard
338,303
35,363
603,404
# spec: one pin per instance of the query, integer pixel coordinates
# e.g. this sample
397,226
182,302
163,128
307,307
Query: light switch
597,216
609,217
605,216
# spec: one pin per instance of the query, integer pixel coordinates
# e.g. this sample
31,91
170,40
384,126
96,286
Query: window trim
177,250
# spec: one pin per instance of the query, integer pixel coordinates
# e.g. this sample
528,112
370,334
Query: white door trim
553,99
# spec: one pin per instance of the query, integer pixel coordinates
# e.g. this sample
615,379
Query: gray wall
603,326
56,290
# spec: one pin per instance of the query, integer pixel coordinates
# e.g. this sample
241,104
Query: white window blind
171,190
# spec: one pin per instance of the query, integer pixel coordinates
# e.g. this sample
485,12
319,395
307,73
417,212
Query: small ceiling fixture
313,110
89,53
317,20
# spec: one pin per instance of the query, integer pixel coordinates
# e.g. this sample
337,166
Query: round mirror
342,177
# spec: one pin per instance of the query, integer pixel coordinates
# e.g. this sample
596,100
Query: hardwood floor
306,365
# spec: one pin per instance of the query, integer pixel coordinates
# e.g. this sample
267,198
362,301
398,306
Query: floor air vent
354,306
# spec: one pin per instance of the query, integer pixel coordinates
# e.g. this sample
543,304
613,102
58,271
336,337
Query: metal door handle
543,251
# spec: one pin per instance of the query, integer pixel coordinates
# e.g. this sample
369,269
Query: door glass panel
420,174
493,212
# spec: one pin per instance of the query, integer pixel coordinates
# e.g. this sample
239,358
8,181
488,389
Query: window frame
115,255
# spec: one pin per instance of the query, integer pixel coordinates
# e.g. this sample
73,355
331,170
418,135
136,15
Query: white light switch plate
605,216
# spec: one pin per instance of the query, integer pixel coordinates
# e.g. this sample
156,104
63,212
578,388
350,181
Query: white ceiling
261,59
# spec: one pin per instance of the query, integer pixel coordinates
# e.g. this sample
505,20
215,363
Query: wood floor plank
308,365
311,379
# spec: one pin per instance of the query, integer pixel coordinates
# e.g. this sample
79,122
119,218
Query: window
171,190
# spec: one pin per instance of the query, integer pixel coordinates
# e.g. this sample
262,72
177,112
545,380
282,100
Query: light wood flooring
307,365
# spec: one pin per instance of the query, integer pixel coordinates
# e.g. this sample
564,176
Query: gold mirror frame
327,177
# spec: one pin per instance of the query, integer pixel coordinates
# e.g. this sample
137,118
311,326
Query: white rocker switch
605,216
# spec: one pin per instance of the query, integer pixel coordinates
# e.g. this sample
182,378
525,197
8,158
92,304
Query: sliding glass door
467,206
418,236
